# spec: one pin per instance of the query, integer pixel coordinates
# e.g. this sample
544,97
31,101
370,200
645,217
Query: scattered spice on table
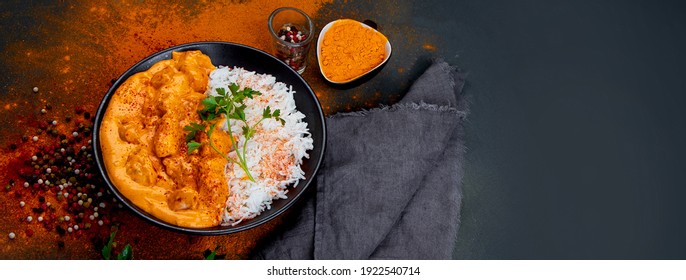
429,47
55,85
59,179
89,45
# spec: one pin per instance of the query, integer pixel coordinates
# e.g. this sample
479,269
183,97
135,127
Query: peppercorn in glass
291,30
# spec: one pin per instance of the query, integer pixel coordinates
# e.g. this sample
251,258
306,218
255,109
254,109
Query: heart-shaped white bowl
322,33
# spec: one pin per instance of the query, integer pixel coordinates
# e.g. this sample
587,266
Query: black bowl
230,54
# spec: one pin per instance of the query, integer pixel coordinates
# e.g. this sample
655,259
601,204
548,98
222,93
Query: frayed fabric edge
422,106
447,68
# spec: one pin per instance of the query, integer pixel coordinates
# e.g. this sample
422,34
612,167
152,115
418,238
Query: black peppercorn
60,231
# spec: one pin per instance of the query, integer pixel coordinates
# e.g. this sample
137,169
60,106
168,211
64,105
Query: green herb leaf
222,103
276,113
107,250
210,104
238,98
209,132
126,254
233,88
190,136
192,146
231,105
207,116
212,254
249,92
234,116
193,129
241,108
246,131
210,101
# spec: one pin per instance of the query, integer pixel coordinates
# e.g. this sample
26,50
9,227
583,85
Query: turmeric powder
350,50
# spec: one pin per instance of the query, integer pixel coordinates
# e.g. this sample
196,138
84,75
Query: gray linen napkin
391,183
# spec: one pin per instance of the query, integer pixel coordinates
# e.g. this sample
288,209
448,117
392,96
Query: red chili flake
29,232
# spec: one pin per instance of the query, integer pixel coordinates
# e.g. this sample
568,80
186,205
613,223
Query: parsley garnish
125,254
230,104
213,254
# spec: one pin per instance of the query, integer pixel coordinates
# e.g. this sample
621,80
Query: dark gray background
578,116
576,137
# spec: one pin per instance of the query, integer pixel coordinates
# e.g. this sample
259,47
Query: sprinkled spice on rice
274,153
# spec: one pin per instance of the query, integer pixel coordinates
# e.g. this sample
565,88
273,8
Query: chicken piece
213,188
168,137
220,140
180,170
140,168
183,199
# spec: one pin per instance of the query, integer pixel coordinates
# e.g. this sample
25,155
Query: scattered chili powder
349,50
74,50
72,56
429,47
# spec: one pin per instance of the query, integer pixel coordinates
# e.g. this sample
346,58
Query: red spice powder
72,58
429,47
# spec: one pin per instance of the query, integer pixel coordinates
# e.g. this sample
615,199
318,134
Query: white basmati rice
273,155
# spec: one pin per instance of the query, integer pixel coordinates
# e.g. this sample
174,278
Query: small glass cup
292,31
